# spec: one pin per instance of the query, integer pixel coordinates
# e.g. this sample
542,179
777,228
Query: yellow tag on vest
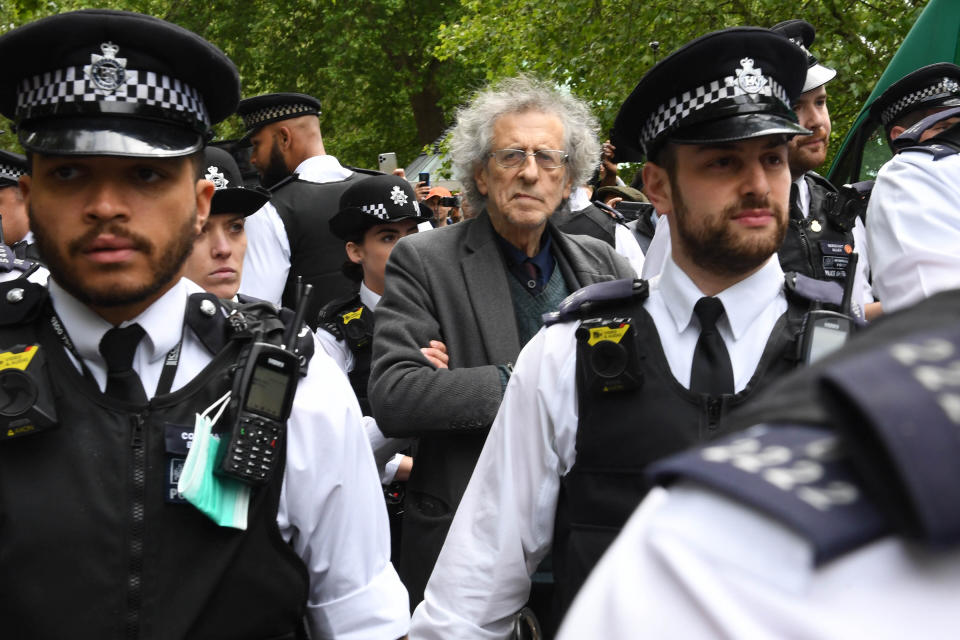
613,334
353,315
10,360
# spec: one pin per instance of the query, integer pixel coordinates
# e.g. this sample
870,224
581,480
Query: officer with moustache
109,371
561,469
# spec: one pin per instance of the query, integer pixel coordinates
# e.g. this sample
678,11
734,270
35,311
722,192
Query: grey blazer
450,284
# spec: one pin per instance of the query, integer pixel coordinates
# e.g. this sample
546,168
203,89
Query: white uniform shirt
386,451
692,564
504,525
266,264
914,232
331,505
862,291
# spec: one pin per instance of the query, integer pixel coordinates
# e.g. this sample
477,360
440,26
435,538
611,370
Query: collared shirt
543,262
331,505
266,264
504,525
691,563
914,231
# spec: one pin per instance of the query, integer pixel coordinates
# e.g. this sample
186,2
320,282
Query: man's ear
205,191
284,137
480,176
355,252
656,184
895,131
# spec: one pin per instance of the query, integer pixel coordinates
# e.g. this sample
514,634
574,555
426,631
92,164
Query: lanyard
170,362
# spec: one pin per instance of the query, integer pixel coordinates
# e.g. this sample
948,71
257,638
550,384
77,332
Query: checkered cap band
50,91
276,112
944,86
375,210
668,115
10,172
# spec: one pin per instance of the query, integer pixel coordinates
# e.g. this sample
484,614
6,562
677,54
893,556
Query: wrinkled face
523,197
809,152
372,253
729,203
115,232
266,157
216,263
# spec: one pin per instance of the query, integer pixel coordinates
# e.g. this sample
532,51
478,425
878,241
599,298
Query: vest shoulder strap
593,298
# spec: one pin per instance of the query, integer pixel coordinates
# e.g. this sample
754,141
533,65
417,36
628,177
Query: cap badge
749,79
107,72
216,177
398,196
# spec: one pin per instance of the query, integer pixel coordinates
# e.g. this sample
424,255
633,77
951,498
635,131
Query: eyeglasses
546,158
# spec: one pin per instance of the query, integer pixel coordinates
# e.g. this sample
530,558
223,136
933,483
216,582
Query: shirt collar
162,321
322,169
742,302
368,297
515,257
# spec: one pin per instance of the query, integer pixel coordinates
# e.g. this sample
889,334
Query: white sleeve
267,261
336,349
332,512
628,247
504,525
862,291
658,250
913,228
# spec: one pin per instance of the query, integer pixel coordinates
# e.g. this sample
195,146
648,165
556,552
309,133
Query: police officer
920,93
834,516
216,263
120,357
560,468
291,237
823,232
16,225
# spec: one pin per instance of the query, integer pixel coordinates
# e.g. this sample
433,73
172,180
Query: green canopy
935,37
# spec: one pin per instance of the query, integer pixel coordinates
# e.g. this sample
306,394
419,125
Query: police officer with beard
562,467
108,372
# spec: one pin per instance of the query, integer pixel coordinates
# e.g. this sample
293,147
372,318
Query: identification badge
177,442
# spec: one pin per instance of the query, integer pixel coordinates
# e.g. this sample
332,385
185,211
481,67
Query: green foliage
391,72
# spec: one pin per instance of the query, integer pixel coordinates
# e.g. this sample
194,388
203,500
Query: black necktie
117,348
796,211
711,371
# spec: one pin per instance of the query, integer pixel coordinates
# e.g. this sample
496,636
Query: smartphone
425,177
388,162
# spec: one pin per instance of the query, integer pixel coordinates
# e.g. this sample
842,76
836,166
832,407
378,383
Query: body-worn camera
26,401
607,346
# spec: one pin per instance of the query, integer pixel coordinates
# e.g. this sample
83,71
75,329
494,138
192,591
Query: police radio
264,385
826,331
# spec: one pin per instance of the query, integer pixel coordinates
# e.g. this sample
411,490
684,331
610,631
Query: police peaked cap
728,85
12,166
376,200
230,196
273,107
935,85
103,82
802,34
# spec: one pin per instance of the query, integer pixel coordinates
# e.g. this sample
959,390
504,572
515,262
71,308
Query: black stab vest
352,321
814,246
315,253
93,542
606,483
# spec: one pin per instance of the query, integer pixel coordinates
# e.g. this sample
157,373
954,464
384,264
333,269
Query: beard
712,244
276,169
165,263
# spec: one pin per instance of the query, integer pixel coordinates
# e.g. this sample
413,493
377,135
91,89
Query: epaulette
10,262
293,177
800,286
591,297
799,475
898,408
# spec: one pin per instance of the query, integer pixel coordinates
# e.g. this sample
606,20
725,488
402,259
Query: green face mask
224,500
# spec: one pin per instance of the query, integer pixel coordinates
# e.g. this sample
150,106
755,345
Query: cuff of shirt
390,469
381,609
